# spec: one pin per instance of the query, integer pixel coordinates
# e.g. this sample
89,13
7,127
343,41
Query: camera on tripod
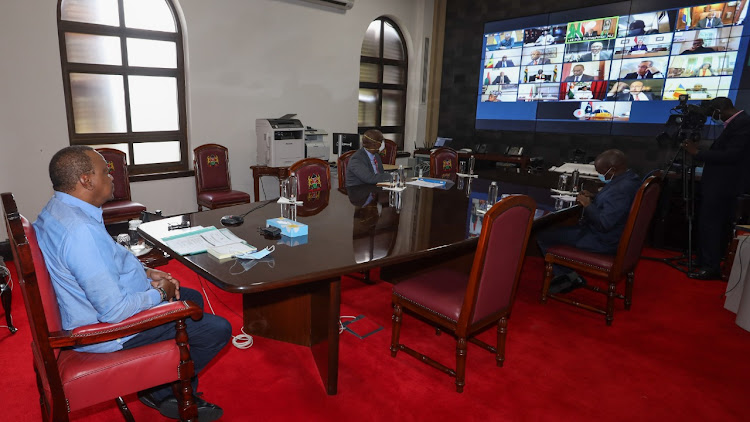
687,119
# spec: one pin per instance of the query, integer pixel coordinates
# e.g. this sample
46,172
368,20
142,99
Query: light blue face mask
247,264
603,177
257,254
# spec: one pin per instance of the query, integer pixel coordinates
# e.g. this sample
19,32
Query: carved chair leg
460,363
629,290
610,303
502,333
396,330
547,279
124,409
7,296
182,388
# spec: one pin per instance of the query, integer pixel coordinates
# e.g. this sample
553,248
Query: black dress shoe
168,407
705,275
566,283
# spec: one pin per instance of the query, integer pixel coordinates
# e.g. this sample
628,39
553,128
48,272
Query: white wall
246,59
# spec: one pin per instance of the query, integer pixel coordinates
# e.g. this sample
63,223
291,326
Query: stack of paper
220,243
427,182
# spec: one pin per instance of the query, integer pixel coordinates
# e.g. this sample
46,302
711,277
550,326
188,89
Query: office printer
281,141
315,146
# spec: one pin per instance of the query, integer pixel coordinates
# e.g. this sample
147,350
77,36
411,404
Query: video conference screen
607,69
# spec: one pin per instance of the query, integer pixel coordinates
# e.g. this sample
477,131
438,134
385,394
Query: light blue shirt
95,278
374,165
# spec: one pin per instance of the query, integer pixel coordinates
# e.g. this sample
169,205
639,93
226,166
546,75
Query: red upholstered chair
613,268
68,380
388,155
443,163
212,183
468,304
341,164
121,207
313,177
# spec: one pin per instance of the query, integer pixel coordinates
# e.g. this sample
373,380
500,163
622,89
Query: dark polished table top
354,230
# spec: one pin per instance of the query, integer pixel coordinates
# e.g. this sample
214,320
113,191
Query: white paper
568,198
394,189
425,184
467,175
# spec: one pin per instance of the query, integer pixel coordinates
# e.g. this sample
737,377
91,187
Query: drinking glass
462,167
471,164
562,182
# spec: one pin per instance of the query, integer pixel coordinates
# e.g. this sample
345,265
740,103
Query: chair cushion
87,377
569,253
123,208
218,198
439,291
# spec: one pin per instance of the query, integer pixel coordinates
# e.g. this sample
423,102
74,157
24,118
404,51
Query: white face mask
382,146
257,254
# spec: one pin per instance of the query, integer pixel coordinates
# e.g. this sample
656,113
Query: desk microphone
236,220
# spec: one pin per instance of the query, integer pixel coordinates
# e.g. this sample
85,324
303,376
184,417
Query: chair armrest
150,318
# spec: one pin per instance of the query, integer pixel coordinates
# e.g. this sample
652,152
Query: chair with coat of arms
443,163
212,182
121,207
313,178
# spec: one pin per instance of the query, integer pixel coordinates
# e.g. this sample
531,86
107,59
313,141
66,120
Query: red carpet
676,356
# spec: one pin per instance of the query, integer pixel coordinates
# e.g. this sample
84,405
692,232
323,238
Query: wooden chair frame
200,189
619,269
464,329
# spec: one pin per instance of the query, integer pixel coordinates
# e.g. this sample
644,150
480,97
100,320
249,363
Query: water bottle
292,189
492,195
421,172
133,233
576,177
562,182
401,176
471,164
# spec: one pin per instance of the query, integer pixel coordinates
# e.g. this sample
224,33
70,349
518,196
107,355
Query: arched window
124,80
382,80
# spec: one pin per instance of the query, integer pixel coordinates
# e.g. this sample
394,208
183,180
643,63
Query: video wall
607,69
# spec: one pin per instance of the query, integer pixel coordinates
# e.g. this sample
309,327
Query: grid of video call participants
607,64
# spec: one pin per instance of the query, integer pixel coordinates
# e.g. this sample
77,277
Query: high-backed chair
613,268
68,380
341,164
313,177
388,154
7,297
443,163
468,304
120,208
212,182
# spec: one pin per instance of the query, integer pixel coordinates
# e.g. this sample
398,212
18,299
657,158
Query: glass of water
462,167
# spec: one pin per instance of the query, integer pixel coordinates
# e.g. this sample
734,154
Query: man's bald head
611,159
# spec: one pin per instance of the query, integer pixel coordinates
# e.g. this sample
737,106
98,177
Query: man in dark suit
537,58
504,62
726,175
578,75
645,70
639,46
698,48
539,77
637,94
501,79
710,21
365,166
595,53
604,216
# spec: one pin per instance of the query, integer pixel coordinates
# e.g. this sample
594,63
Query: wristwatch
163,293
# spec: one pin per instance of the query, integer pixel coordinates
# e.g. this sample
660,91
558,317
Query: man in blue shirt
97,280
604,217
365,166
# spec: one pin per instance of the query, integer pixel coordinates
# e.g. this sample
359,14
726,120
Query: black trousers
714,222
206,337
569,236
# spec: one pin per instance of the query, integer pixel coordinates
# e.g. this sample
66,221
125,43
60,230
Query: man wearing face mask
365,166
604,216
726,175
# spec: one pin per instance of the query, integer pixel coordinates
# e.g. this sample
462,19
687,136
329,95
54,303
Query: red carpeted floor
676,356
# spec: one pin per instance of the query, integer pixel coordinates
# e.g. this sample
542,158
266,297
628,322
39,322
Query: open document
199,241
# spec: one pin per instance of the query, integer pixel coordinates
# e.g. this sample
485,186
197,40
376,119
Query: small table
259,171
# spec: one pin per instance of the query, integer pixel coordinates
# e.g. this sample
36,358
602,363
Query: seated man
604,217
365,166
97,280
697,48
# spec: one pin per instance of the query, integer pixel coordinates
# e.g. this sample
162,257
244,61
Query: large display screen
607,69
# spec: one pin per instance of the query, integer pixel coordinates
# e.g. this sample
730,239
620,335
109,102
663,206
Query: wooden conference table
296,297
